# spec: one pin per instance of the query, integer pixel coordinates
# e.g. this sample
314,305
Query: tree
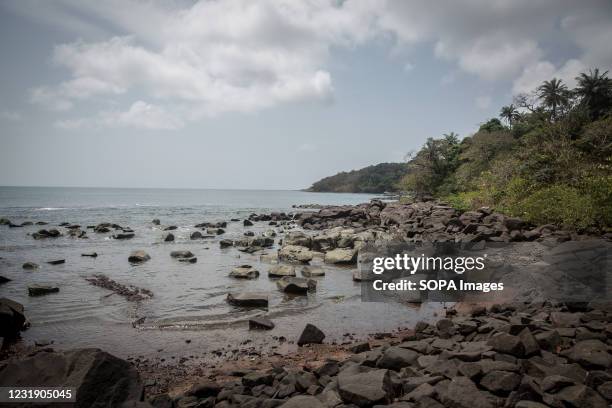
554,94
509,113
595,92
492,125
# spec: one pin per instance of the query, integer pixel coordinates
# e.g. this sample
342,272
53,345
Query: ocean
188,299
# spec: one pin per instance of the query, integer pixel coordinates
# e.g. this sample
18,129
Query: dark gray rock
365,389
461,392
40,290
181,254
293,285
311,335
248,299
500,382
138,257
100,379
12,318
591,354
260,323
507,343
395,358
303,401
29,265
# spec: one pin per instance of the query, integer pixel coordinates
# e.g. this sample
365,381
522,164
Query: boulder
295,253
90,254
188,260
500,382
244,272
461,392
169,237
224,243
303,401
289,284
204,389
280,271
508,344
298,238
181,254
12,318
260,323
396,358
248,299
29,265
247,223
311,335
39,290
312,271
215,231
341,256
591,354
155,221
4,279
138,257
196,235
100,379
170,228
365,389
581,396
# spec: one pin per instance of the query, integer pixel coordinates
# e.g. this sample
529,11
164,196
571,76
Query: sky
269,94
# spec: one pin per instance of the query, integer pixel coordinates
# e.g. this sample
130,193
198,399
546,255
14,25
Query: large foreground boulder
100,379
365,389
12,318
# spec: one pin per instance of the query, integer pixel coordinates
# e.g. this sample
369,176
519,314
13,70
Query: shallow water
189,299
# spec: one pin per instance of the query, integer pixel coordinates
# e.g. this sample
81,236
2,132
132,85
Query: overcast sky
265,94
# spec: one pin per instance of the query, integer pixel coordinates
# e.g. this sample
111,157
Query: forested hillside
548,160
372,179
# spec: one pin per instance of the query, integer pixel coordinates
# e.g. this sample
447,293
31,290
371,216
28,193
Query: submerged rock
188,260
169,237
90,254
138,257
124,235
57,262
294,285
181,254
39,290
248,299
224,243
4,279
260,323
30,265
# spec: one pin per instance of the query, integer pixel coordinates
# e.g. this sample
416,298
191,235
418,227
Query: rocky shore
526,354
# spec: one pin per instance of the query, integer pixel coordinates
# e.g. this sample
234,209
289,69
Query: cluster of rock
526,356
131,293
428,221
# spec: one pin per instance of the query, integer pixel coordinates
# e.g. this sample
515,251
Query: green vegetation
551,162
372,179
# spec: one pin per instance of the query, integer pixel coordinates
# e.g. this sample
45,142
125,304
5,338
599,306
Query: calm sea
189,299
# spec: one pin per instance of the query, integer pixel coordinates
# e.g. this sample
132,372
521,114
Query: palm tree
509,113
554,94
595,91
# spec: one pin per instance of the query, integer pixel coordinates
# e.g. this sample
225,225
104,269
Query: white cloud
483,102
11,116
140,115
534,75
212,57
